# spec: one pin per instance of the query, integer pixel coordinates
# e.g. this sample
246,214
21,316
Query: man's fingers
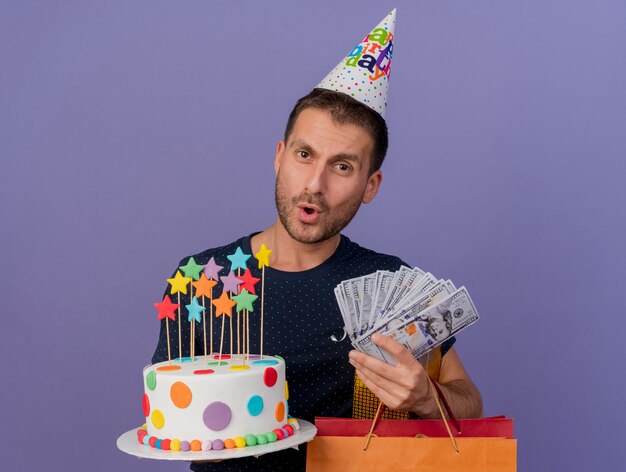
380,392
363,361
397,350
389,385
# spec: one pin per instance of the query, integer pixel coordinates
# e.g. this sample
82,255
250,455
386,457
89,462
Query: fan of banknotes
412,306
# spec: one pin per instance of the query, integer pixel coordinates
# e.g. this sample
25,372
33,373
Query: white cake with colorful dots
201,404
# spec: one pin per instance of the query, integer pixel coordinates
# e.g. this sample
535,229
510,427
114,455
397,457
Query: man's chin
307,234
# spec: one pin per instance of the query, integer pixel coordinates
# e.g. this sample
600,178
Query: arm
405,386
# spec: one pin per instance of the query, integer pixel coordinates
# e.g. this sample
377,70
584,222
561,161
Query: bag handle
437,394
446,405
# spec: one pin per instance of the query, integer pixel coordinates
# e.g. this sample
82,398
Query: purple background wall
134,133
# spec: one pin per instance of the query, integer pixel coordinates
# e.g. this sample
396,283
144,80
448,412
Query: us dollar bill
367,301
426,330
395,287
410,281
383,283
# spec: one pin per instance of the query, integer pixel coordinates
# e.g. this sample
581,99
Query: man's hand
404,386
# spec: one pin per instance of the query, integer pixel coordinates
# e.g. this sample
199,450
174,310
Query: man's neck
290,255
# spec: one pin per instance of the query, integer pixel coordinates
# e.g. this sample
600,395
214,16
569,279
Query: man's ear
280,150
372,186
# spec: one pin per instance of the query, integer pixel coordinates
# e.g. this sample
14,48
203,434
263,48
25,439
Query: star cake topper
179,283
244,301
166,308
212,270
238,260
223,305
195,310
192,269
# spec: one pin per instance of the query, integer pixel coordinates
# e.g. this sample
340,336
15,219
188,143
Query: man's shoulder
356,253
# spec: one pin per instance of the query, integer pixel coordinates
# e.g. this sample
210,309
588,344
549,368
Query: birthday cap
364,73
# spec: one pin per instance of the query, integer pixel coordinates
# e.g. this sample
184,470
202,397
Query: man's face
322,176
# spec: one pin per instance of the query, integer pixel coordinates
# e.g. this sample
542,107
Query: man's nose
316,180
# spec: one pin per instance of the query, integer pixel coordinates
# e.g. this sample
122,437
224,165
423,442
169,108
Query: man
326,166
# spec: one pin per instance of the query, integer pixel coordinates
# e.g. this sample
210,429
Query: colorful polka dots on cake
151,380
217,416
203,371
145,404
175,445
255,405
157,418
170,397
180,394
279,413
265,362
197,445
270,376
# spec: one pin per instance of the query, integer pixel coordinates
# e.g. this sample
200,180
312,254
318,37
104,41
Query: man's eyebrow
300,143
341,156
347,157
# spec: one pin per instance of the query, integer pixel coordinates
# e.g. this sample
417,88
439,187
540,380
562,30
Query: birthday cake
203,404
215,401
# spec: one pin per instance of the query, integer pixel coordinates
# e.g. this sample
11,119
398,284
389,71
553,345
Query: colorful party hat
364,72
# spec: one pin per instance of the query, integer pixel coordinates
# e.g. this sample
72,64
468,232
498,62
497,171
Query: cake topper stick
231,285
238,261
238,335
180,335
247,315
244,303
248,283
211,324
204,288
166,310
231,336
204,325
179,284
223,306
212,272
192,271
194,309
169,350
263,256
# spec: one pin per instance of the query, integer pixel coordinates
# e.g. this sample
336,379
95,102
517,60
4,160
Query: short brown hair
345,109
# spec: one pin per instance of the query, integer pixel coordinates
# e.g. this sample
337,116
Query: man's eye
343,167
303,154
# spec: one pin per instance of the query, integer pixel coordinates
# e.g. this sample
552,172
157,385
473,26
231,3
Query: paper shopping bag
339,446
346,454
497,426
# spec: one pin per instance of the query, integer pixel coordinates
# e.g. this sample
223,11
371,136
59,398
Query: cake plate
128,443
